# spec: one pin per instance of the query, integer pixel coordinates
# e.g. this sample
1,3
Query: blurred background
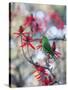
20,71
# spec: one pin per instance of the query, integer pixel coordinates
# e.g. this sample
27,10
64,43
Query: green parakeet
46,46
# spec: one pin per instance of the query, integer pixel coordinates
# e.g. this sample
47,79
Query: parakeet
46,46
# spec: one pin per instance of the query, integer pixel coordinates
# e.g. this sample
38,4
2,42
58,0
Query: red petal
46,81
53,46
24,39
55,16
39,46
30,38
46,73
34,71
40,69
27,21
23,34
17,36
16,33
57,56
21,29
26,33
31,46
61,25
38,77
57,53
24,44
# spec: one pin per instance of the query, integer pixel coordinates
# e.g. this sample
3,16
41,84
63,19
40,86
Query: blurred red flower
28,21
32,22
36,27
57,20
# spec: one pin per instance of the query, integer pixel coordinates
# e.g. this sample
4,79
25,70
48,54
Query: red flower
35,27
39,70
57,20
42,76
31,21
27,41
28,20
20,32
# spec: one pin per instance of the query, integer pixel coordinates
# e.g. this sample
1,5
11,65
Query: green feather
46,46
